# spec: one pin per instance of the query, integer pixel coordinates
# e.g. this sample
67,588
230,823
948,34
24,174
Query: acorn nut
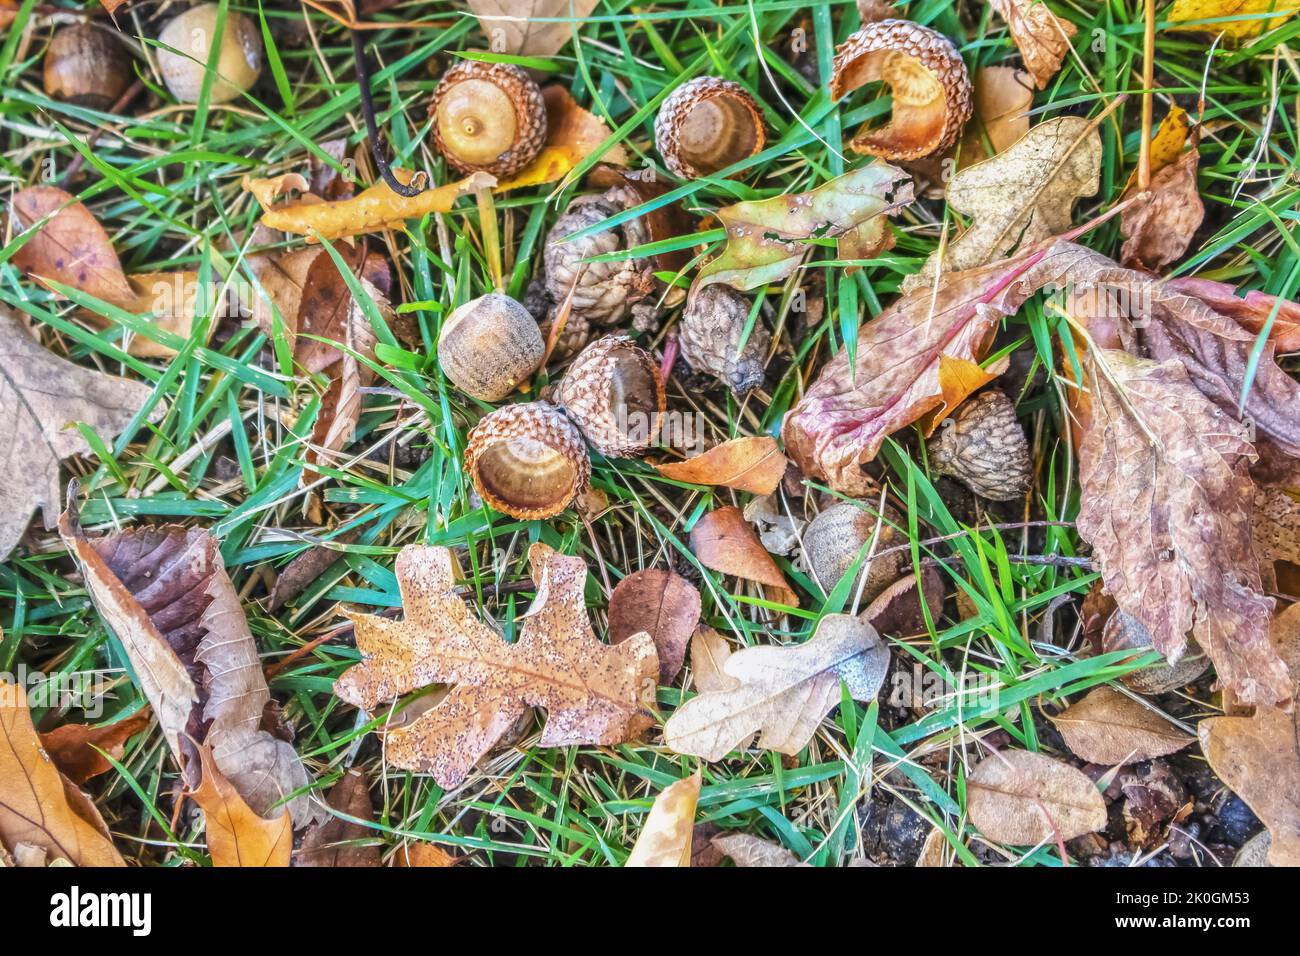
835,538
711,333
528,461
983,446
192,35
614,394
707,125
488,117
87,66
489,346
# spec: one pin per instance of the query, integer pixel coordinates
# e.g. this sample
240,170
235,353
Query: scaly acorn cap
927,79
710,333
983,446
527,461
614,394
706,125
488,117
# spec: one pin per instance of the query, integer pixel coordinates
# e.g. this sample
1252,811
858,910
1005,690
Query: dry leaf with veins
724,541
753,464
1252,311
745,850
238,835
164,592
783,692
75,748
39,807
662,604
42,396
1159,230
665,839
593,693
1191,10
1024,798
339,841
1042,37
1108,727
530,27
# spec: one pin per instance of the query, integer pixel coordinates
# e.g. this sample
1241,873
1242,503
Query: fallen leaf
1166,507
423,855
339,841
1188,10
724,541
1003,98
766,239
302,571
709,654
1110,728
171,300
35,805
238,835
164,592
1042,37
1275,524
747,464
745,850
530,27
42,396
659,603
593,693
1158,230
784,692
71,247
665,838
1020,197
74,748
1167,144
282,276
1252,312
1024,798
572,135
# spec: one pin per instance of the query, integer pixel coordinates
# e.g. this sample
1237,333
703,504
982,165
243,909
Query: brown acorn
488,117
86,66
984,447
713,324
707,125
603,292
528,461
192,34
489,346
614,394
833,540
928,83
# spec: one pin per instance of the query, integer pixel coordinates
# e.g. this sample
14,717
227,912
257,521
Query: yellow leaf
959,378
1193,10
1167,145
236,835
572,134
665,839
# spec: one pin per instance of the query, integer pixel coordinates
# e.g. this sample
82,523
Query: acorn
833,540
707,125
488,117
489,346
191,34
614,394
1125,632
712,326
605,291
528,461
983,446
928,84
87,66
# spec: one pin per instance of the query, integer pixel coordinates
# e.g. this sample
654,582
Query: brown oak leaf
659,603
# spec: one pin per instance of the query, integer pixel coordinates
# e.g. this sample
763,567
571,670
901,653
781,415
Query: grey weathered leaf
1024,798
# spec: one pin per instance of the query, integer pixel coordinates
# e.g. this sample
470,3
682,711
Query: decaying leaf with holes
593,693
784,692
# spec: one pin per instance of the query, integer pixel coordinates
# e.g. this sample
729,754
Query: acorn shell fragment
707,125
614,393
927,80
488,117
527,461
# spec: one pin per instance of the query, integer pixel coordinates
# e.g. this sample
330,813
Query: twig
372,127
1148,83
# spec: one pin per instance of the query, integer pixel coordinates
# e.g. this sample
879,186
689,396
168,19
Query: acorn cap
927,79
528,461
87,66
707,125
983,446
191,33
488,117
603,292
710,332
489,346
614,394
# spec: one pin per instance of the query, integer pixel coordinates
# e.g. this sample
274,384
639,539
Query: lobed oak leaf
665,839
593,693
1107,727
1042,37
1024,798
784,692
746,850
752,464
662,604
237,834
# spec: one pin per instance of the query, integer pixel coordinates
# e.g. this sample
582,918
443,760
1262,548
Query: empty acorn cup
528,461
488,117
707,125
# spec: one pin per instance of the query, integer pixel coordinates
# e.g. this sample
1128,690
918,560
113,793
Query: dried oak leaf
572,134
75,748
340,841
1018,198
784,692
164,592
659,603
1024,798
746,850
665,839
1108,727
42,396
1184,11
1042,37
752,464
767,238
237,834
1165,504
39,807
593,693
530,27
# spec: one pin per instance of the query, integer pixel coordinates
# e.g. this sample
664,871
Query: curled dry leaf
1024,798
303,570
75,748
593,693
164,592
1042,37
724,541
665,840
572,134
659,603
39,807
746,850
747,464
784,692
237,834
42,396
1184,13
766,239
1108,727
1159,230
1166,507
530,27
339,841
